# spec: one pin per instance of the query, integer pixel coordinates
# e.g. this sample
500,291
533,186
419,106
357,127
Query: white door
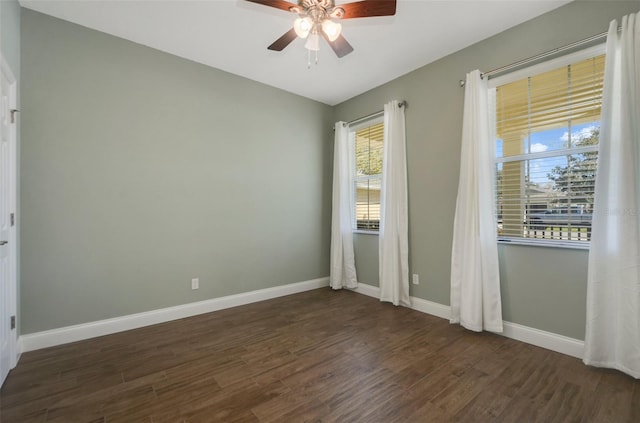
7,229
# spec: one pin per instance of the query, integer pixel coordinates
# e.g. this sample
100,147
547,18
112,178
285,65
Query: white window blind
368,173
547,128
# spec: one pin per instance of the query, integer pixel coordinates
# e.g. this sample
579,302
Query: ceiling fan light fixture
331,29
303,26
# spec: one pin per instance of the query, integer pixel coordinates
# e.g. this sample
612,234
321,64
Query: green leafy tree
578,176
369,157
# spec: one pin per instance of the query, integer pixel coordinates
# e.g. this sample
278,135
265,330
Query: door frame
13,238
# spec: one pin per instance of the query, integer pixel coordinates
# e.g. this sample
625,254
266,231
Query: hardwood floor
319,356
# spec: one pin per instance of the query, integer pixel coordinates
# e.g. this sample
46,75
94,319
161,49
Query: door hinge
13,115
13,322
12,217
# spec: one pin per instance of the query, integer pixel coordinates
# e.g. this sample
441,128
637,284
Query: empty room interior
397,211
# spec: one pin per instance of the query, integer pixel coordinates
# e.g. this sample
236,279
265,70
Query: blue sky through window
550,140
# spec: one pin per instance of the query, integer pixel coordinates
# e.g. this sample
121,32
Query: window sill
545,243
364,232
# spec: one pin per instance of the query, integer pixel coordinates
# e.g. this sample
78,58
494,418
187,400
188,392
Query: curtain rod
372,115
541,56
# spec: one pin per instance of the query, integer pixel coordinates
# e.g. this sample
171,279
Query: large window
547,124
367,142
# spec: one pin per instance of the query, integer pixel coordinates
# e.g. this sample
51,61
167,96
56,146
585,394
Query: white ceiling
233,35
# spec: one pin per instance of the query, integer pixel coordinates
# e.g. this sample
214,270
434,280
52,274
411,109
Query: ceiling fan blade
340,46
366,8
278,4
285,40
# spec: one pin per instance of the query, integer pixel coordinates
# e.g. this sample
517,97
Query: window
367,142
547,124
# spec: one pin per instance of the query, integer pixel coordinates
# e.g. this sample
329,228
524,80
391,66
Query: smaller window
367,142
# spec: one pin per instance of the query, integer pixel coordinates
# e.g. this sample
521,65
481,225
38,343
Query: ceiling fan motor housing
308,4
318,10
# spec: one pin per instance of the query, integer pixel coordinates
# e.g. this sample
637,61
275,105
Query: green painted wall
366,256
141,170
542,288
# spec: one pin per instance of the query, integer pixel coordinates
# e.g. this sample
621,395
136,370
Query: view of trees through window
368,157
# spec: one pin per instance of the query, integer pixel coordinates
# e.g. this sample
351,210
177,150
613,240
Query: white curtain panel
613,296
475,276
343,268
394,220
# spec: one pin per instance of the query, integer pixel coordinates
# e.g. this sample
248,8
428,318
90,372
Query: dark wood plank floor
319,356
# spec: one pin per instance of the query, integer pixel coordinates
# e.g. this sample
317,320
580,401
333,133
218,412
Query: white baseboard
368,290
537,337
418,304
540,338
429,307
50,338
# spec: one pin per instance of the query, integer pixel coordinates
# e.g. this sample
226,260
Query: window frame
374,120
517,75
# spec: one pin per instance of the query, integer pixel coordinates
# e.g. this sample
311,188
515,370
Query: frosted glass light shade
331,29
302,26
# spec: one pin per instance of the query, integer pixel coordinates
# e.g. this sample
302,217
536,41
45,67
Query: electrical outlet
416,279
195,283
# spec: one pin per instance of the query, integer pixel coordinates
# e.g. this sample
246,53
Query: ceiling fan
316,18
